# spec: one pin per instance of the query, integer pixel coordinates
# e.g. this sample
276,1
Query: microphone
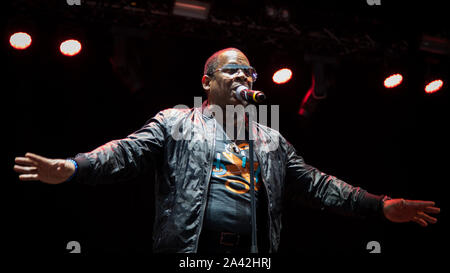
245,94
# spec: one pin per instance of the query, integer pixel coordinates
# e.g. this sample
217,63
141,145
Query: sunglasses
232,69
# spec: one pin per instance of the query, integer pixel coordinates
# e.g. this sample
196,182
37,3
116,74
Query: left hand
401,210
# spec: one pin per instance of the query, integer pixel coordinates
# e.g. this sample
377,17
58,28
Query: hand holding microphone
245,94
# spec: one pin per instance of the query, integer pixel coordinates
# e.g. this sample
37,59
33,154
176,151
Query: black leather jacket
179,143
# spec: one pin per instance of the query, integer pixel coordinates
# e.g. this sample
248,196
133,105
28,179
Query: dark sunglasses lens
233,69
251,73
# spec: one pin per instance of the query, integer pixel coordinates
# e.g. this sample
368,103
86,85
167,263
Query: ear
206,81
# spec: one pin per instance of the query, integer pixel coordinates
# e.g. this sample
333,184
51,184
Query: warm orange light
70,47
434,86
20,40
189,6
282,76
393,81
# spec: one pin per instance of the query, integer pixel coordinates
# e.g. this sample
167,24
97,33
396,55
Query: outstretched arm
115,161
321,190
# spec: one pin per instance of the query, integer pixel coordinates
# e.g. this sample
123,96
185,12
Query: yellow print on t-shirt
236,169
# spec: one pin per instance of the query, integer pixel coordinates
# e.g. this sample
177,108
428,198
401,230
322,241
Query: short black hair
213,62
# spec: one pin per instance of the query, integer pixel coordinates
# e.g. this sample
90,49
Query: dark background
134,64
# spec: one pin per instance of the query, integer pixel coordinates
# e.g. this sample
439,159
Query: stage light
393,80
284,14
271,11
192,9
70,47
20,40
282,76
434,86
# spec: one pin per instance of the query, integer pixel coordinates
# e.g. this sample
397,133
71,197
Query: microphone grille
241,88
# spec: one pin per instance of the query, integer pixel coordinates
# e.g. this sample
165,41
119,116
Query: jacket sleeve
307,185
123,159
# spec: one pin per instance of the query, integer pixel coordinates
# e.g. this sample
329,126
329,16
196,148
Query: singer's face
221,85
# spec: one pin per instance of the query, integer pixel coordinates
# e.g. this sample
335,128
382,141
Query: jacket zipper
205,195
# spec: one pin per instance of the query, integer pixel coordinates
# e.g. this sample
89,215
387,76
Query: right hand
33,167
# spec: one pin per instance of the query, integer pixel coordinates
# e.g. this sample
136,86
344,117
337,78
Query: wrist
74,167
382,204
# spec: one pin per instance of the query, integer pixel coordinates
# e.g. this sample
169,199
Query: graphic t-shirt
229,201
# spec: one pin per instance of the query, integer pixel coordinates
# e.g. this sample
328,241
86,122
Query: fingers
37,158
24,169
31,159
420,221
419,204
28,166
29,177
423,206
432,210
426,217
25,161
423,219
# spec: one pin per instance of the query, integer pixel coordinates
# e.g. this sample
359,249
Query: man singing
203,178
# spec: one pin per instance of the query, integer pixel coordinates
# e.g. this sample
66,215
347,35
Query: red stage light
393,81
434,86
20,40
70,47
282,76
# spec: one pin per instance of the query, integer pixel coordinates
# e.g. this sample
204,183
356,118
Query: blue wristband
76,169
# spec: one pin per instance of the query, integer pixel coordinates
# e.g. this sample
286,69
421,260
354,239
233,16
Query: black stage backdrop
388,141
